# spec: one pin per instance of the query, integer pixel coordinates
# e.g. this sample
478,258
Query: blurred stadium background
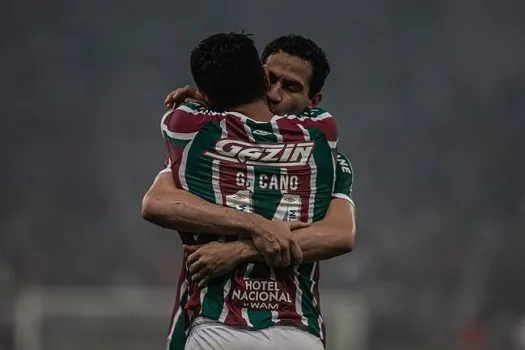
430,98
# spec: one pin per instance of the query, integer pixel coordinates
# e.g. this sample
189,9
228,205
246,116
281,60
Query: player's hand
184,94
211,260
275,242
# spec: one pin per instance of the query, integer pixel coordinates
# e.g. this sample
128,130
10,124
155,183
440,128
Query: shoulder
188,116
185,121
320,119
315,114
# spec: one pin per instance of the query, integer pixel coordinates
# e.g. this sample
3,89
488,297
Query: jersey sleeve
320,119
344,178
179,126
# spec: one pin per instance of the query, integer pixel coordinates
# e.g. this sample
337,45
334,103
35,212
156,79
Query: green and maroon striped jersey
282,169
179,322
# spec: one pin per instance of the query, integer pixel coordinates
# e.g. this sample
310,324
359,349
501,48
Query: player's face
289,78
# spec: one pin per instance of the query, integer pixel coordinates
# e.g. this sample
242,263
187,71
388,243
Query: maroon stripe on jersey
194,300
288,315
234,317
291,132
328,126
183,121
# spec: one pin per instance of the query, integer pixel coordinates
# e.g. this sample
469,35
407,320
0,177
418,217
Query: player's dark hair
227,69
306,49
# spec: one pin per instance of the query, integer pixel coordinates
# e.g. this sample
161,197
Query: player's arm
170,207
328,238
332,236
325,239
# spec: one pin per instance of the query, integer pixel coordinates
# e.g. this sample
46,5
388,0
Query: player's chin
277,109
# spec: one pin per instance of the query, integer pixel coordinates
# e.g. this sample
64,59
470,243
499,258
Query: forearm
179,210
332,236
317,242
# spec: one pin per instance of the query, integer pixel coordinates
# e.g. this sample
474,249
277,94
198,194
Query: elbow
348,243
161,211
151,208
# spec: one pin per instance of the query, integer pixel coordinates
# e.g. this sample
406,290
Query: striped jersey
179,322
282,169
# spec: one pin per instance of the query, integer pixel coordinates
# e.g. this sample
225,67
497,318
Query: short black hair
227,69
306,49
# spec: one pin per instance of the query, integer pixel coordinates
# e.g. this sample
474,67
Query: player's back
282,169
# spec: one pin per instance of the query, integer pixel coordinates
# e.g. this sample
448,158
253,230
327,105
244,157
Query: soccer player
297,68
288,206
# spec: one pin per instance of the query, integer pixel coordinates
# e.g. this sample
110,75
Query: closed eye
292,86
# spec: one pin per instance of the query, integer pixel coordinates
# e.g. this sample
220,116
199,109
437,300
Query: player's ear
316,100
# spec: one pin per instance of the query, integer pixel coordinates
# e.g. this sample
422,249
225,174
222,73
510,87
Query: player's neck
257,110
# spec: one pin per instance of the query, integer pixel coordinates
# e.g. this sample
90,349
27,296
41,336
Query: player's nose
274,94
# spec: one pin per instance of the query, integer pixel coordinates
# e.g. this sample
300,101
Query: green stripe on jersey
213,301
178,336
199,174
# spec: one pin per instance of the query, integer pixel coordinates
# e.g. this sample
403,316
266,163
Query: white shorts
209,335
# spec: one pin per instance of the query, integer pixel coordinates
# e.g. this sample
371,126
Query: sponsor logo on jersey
263,154
343,163
261,294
